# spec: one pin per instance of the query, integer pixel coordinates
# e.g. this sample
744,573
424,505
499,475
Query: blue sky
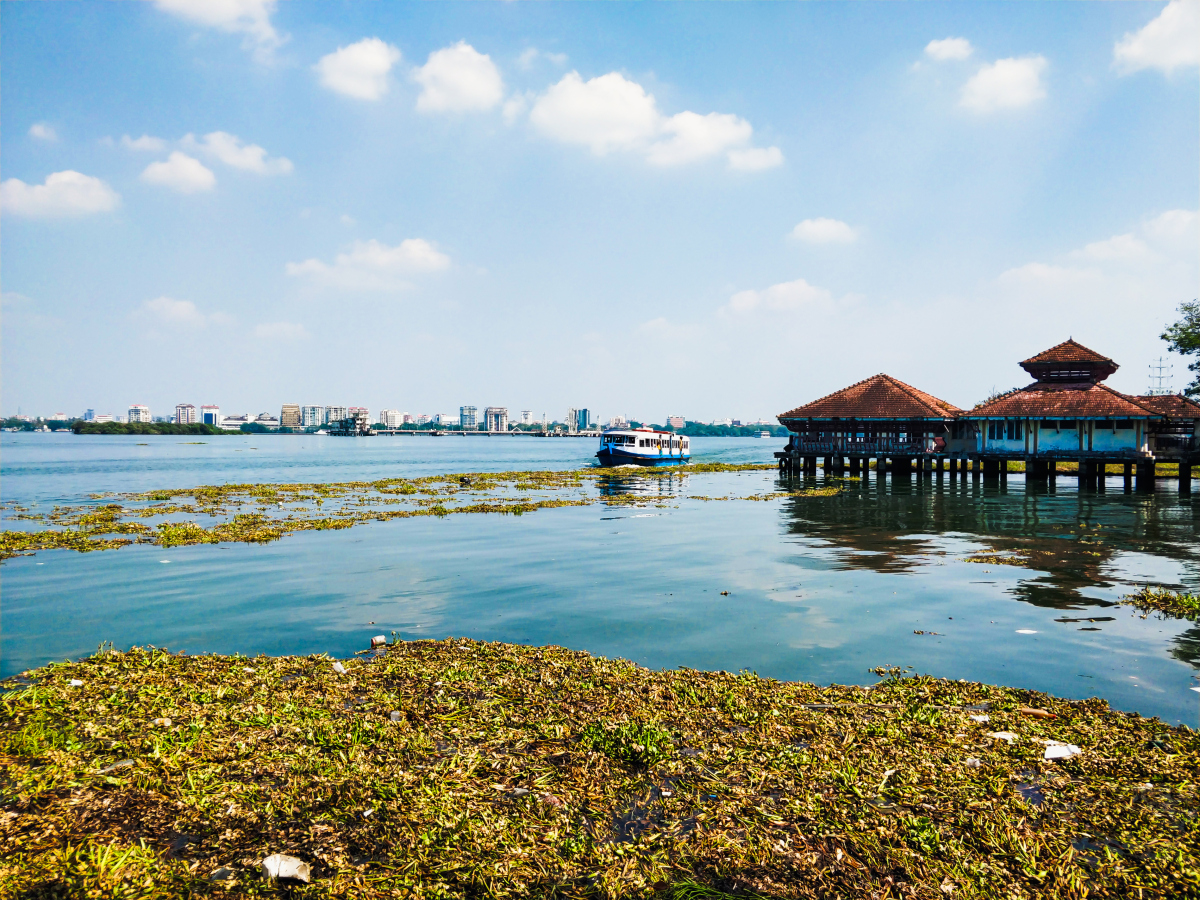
703,209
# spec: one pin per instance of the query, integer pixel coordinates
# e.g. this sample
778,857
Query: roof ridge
1129,398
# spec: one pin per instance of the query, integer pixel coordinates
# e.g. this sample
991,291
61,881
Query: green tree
1184,338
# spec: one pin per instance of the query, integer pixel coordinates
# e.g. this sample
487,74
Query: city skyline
263,200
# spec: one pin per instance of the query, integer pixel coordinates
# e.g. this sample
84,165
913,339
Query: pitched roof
877,397
1041,400
1068,352
1174,406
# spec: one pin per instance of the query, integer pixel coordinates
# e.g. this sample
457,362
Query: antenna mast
1160,379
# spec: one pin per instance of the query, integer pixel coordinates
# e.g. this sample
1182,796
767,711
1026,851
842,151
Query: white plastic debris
162,723
1026,631
367,813
1009,736
75,682
1058,750
973,763
277,865
981,719
378,641
518,792
222,874
248,670
339,668
123,764
396,716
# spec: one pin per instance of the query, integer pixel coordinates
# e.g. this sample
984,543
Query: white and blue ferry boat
643,447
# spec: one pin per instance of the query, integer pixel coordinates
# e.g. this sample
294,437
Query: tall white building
333,413
407,418
391,418
466,417
312,416
139,413
210,415
496,418
185,414
527,417
447,420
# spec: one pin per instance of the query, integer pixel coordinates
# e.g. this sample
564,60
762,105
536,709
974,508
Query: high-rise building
466,417
391,418
89,415
496,418
289,416
210,415
447,420
185,414
527,417
423,419
578,419
139,413
407,418
617,422
675,421
334,414
312,416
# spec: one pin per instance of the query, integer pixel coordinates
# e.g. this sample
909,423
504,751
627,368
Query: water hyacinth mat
463,769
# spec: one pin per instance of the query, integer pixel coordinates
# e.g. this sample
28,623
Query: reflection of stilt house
1067,413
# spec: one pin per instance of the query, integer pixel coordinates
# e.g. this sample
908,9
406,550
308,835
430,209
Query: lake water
819,588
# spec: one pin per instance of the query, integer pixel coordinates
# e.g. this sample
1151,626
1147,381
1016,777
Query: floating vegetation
1171,603
458,769
260,513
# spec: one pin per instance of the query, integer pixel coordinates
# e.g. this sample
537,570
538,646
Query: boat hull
618,457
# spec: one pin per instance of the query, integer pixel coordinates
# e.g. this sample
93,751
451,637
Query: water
819,588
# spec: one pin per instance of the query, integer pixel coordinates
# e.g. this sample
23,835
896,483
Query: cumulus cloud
371,265
458,79
64,194
1173,225
612,113
1005,84
229,149
145,142
1169,41
250,18
786,297
43,132
181,173
1124,247
359,70
1044,275
281,331
755,159
824,231
949,49
174,313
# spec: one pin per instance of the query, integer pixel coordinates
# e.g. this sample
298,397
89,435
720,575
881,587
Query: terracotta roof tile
1173,406
877,397
1068,352
1041,400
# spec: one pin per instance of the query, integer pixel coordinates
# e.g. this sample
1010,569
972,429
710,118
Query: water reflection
1069,541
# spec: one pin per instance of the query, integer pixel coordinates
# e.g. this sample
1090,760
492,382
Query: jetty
1066,415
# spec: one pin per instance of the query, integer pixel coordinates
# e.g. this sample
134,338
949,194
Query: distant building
407,418
527,417
496,418
235,423
266,420
675,421
335,414
210,415
449,420
139,413
391,418
312,416
185,414
726,422
89,415
466,417
617,422
102,417
423,419
289,416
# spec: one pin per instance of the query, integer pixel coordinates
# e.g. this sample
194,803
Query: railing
883,447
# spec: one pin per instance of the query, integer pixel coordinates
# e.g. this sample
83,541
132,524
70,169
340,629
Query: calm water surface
819,588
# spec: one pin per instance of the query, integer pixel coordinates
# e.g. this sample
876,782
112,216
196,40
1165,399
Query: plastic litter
980,719
123,764
162,723
1026,631
222,874
518,792
277,865
1058,750
248,670
396,716
378,641
1009,736
1036,713
339,668
973,763
367,813
75,682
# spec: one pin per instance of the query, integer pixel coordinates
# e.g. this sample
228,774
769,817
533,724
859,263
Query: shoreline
459,768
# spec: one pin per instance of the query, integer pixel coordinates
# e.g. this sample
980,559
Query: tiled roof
1068,352
1053,400
1173,406
877,397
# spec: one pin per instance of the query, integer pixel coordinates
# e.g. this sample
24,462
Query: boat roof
639,431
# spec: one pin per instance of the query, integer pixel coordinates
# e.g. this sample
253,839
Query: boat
763,434
643,447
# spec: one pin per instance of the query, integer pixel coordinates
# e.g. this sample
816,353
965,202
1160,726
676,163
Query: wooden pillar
1145,475
1185,476
855,465
827,465
976,464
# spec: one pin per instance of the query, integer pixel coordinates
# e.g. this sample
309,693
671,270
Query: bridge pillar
1185,477
1145,475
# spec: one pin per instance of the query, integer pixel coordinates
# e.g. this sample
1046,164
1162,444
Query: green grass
540,772
1171,603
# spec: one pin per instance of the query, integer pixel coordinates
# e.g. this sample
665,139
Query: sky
709,210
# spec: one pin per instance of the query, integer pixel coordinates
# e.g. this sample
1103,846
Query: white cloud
515,106
63,194
251,18
1121,247
281,331
458,79
611,112
359,70
755,159
1044,275
371,265
530,56
1173,225
43,132
1167,42
229,149
172,313
1005,84
145,142
785,297
181,173
949,49
824,231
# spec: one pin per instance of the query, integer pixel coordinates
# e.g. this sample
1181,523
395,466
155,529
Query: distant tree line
82,427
